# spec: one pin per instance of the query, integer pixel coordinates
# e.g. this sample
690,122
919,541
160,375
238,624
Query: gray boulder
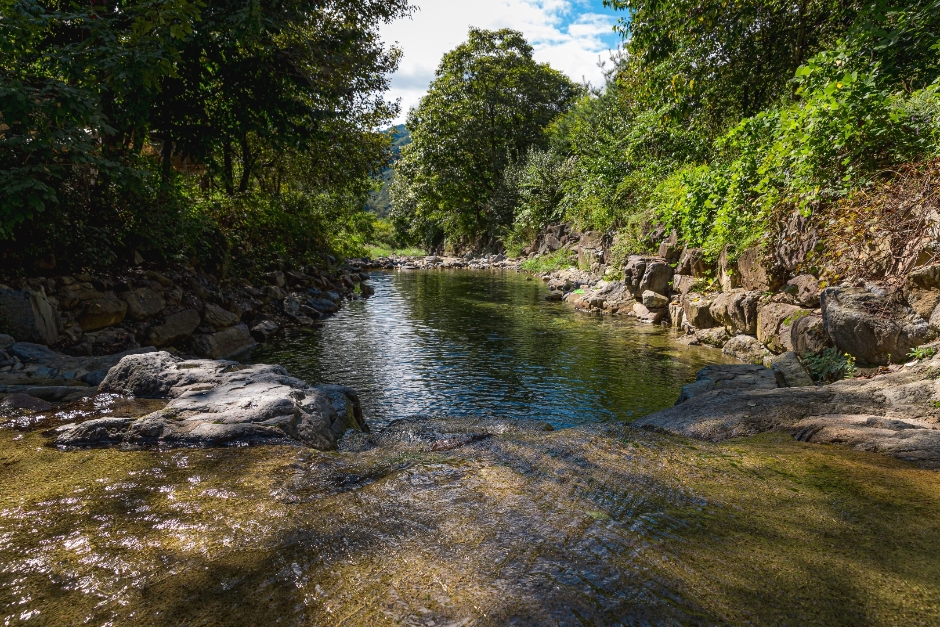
225,343
26,402
871,325
176,328
804,334
264,330
652,300
106,311
790,371
28,316
893,413
770,318
6,340
696,311
745,348
805,288
716,337
644,273
729,377
217,317
650,316
143,303
217,402
736,311
758,272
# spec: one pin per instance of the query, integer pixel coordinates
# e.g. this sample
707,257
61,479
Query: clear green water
488,344
467,521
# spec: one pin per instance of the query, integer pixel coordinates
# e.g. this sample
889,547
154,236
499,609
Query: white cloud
564,33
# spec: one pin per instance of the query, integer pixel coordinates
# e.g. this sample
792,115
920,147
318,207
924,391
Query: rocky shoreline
67,331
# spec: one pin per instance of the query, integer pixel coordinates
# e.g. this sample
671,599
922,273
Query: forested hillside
720,121
380,202
225,135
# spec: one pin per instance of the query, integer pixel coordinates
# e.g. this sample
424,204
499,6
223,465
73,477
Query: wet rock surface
469,522
897,413
217,402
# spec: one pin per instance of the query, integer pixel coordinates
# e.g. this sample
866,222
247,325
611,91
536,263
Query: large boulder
650,316
106,311
28,316
175,328
736,311
805,289
716,337
893,413
729,377
871,324
217,402
696,310
71,294
217,317
225,343
804,334
143,303
770,318
758,272
746,348
644,273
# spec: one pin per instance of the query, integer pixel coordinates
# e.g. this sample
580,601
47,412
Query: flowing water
488,344
486,517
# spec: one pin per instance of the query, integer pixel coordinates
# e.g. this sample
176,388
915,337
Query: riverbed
500,514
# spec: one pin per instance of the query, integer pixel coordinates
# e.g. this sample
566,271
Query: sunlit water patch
488,344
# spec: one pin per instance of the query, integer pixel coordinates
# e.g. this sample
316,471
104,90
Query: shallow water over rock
488,344
470,520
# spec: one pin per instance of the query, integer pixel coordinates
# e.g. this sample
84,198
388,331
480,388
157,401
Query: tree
489,103
101,102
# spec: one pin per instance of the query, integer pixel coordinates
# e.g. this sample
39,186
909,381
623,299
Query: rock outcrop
896,413
28,316
871,325
218,402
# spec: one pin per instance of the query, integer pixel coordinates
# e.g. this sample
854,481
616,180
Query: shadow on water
488,344
594,525
470,520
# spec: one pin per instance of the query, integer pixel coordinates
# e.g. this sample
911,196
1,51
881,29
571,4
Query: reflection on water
469,521
488,344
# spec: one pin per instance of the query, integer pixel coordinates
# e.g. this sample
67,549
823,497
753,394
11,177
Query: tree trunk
227,175
246,165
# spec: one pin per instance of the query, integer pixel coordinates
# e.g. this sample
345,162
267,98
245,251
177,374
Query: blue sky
571,35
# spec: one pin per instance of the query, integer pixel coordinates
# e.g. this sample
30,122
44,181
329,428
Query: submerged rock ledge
897,413
217,402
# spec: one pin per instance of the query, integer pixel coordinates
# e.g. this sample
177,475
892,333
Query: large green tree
489,103
101,104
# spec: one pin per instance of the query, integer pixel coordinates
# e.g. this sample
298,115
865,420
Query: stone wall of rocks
754,309
95,315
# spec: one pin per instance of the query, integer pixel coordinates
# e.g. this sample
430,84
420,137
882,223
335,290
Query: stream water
488,344
478,518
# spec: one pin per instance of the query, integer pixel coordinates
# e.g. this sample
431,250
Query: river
488,344
525,499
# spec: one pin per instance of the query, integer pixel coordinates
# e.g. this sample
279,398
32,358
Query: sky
570,35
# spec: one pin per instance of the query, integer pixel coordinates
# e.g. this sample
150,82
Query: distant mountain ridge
379,202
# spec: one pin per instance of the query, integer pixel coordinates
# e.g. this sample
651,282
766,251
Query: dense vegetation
718,119
487,106
230,134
